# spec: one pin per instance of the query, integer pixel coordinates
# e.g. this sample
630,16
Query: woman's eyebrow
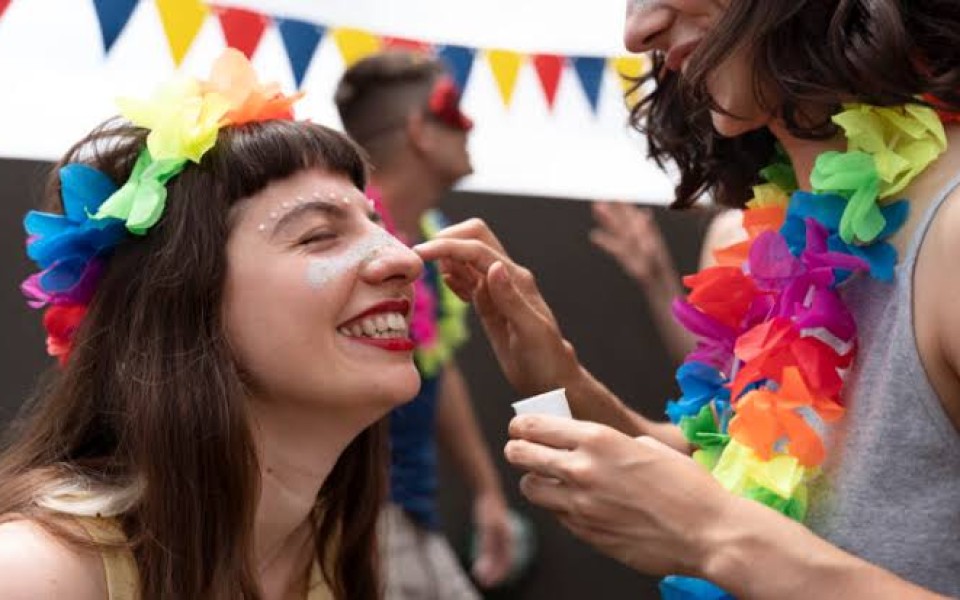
325,207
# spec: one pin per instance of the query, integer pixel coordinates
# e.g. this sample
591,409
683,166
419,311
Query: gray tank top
890,490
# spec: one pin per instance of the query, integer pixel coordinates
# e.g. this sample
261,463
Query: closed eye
317,237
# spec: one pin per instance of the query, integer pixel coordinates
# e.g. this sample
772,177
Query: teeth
385,325
395,321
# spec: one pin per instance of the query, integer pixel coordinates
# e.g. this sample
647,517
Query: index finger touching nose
473,252
472,229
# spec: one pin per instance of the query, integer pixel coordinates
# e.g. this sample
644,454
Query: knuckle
595,436
525,275
578,471
582,506
475,225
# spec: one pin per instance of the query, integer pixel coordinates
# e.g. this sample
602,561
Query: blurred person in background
403,109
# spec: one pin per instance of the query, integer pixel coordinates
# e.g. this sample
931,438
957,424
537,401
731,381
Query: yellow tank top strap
318,589
119,568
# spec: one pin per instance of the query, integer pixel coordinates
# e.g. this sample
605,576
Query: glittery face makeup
321,271
338,206
288,206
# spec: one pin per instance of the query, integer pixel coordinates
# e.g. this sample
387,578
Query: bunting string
243,29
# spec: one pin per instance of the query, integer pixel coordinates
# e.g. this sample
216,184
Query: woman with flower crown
210,272
821,405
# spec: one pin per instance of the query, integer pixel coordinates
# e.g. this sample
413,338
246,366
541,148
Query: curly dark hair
806,53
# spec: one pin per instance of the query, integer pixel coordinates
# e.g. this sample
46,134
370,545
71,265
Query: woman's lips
391,344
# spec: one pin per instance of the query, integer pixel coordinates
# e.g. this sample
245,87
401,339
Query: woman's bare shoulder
35,565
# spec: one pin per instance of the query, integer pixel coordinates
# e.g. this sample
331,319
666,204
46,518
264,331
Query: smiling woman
212,431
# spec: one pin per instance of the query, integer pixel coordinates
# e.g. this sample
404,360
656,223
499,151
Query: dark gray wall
601,312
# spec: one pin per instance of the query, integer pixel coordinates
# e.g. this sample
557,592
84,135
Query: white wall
56,83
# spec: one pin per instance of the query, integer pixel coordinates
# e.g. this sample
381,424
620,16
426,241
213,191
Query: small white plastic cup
551,403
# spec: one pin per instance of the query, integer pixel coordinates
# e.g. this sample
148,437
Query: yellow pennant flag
182,20
355,44
505,66
629,68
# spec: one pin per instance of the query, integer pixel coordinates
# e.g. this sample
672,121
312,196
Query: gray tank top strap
913,248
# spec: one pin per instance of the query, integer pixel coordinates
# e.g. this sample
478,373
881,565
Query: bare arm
758,554
630,235
36,566
724,230
659,512
460,436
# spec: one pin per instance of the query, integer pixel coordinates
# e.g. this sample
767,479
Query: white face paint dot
273,215
286,204
262,227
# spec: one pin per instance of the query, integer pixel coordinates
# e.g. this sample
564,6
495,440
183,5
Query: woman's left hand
634,499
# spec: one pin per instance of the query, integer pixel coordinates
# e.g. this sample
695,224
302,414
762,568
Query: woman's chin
731,127
402,387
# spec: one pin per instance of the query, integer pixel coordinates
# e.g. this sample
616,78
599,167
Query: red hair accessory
445,105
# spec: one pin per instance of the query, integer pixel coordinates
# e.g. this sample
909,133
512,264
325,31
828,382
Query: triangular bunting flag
396,43
242,28
113,16
549,67
459,60
629,69
505,65
3,6
182,20
590,72
300,39
355,44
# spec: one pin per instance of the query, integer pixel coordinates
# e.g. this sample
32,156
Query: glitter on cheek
321,271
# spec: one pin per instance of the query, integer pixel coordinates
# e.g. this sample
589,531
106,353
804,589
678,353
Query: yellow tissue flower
903,140
183,120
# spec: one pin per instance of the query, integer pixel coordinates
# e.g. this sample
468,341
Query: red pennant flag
242,28
549,67
3,6
397,43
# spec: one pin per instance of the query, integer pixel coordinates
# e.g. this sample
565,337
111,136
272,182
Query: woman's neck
803,153
297,449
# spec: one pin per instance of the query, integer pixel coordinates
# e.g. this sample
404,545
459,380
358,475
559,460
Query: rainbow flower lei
775,338
184,118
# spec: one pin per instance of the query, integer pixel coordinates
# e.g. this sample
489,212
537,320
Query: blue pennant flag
459,60
301,40
113,16
590,73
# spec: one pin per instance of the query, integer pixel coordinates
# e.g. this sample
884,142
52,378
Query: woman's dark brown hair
152,398
806,54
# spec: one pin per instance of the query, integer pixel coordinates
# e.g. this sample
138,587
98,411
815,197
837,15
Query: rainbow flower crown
184,117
